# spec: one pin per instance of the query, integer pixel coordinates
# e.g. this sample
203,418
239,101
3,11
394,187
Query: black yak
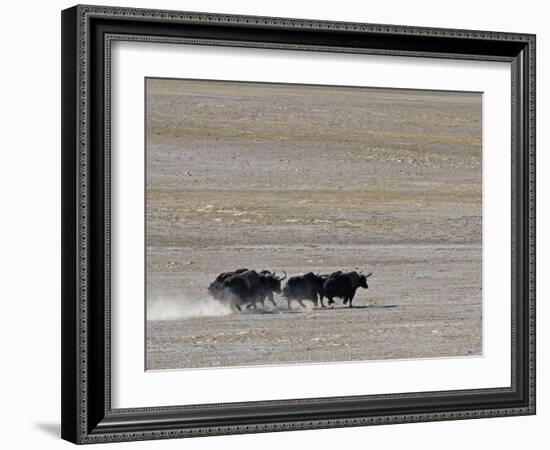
344,285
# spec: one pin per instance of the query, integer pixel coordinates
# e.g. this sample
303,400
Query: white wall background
30,225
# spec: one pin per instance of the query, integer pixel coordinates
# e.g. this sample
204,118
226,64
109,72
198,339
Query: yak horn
281,279
368,274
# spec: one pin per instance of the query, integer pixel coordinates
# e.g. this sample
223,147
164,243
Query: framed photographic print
278,224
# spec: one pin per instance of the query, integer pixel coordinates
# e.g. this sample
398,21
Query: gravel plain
308,178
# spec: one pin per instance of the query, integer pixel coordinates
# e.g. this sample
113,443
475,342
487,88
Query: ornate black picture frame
87,34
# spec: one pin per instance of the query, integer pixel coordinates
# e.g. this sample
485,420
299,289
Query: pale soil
302,178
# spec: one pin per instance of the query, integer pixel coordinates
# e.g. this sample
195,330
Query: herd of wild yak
248,288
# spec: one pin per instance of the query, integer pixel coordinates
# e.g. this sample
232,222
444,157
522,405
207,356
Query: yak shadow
274,311
280,310
332,308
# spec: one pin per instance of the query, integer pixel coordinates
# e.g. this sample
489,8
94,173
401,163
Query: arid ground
309,178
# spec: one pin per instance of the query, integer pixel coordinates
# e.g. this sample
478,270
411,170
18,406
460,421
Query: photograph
277,222
300,224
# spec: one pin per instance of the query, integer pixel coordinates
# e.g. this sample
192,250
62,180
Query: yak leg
301,303
313,297
234,305
322,304
351,299
270,298
251,304
330,301
288,301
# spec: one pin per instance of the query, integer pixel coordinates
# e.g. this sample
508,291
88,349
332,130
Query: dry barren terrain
310,178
